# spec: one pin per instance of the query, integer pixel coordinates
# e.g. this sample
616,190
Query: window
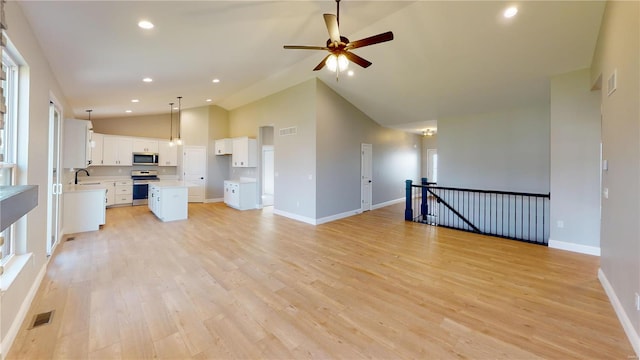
8,142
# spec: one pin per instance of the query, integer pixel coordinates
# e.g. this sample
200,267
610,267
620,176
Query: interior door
195,170
55,183
366,176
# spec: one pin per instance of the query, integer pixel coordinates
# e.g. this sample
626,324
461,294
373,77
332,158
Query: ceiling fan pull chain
338,11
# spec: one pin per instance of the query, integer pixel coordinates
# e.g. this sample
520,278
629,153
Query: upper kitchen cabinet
167,154
77,148
117,151
245,152
145,145
97,142
224,147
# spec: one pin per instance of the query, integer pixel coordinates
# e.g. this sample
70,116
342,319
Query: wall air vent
288,131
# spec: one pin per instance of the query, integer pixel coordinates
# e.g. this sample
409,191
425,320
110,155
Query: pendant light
171,127
178,140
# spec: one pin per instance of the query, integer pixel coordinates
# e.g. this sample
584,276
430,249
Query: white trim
215,200
22,313
338,216
289,215
583,249
388,203
632,334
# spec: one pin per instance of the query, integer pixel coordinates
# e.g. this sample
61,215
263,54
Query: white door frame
54,189
366,176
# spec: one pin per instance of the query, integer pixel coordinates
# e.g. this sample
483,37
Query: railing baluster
481,211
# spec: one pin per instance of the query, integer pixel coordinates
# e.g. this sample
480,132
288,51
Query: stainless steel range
141,180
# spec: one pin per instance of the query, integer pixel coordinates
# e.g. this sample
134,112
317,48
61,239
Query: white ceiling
448,58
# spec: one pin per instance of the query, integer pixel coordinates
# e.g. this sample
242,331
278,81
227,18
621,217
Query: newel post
424,207
408,211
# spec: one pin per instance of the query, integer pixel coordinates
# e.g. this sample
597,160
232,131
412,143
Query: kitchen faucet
85,171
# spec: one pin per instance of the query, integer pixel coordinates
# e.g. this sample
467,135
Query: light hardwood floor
252,285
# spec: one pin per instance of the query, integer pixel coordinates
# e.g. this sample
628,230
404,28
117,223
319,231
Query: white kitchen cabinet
240,195
76,152
117,151
97,142
168,203
167,154
84,210
224,147
110,196
245,152
145,145
123,192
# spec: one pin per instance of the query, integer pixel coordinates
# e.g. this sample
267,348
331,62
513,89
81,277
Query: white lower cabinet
124,192
118,192
240,195
110,196
83,211
168,203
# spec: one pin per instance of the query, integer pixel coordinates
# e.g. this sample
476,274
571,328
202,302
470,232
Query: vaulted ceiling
448,58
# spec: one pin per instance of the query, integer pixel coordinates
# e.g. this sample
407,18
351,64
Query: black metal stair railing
513,215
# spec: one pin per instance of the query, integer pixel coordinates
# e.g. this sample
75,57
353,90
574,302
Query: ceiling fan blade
304,47
357,59
375,39
332,26
321,65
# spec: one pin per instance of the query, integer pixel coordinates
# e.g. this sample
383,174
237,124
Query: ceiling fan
339,47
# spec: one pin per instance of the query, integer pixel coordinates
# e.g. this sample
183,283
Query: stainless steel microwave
144,158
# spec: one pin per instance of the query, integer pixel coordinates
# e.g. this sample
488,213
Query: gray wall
575,159
217,166
618,47
507,150
295,155
152,126
341,129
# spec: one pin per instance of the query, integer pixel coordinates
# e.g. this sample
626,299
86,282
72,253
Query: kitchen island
168,199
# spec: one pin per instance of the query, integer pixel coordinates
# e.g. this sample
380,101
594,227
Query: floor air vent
42,319
71,238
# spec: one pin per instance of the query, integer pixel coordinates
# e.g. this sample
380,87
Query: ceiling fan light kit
339,47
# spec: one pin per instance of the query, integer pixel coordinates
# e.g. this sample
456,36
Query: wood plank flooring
252,285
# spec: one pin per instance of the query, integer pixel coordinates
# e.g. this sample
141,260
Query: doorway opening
267,166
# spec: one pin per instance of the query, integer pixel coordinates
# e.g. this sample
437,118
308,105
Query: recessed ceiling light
510,12
128,111
208,100
350,72
215,81
147,79
145,24
135,100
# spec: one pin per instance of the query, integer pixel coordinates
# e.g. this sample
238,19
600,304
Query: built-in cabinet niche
243,151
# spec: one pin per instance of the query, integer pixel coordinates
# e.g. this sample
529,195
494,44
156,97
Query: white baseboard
388,203
289,215
629,329
583,249
215,200
337,216
22,314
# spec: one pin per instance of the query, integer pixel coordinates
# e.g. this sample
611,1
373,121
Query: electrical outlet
560,224
637,302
